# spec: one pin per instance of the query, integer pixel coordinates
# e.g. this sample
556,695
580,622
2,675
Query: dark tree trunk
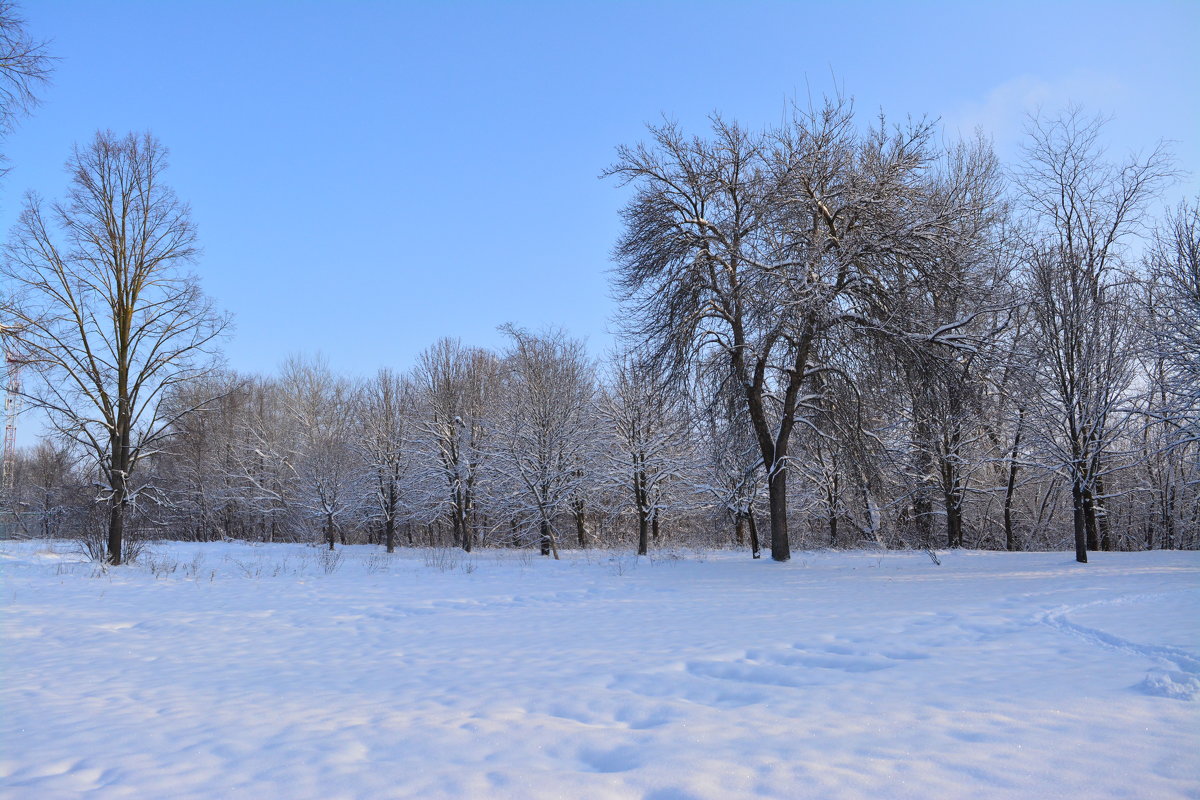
456,525
755,549
581,525
922,517
739,529
655,532
954,522
118,481
640,500
1010,541
643,532
545,532
952,502
781,549
116,530
832,492
389,534
1079,523
1169,520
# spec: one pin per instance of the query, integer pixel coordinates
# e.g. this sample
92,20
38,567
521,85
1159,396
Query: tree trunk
781,549
1080,525
116,530
954,522
456,526
389,534
739,529
118,481
1089,520
549,546
1169,519
581,532
832,492
1010,542
922,517
755,550
1100,518
639,499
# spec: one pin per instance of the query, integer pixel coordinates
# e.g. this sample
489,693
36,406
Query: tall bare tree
1083,211
106,312
754,247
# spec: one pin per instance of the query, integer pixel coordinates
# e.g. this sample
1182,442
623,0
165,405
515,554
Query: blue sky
370,176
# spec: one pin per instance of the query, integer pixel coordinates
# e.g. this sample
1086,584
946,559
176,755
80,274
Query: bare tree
650,424
454,384
1174,272
1082,211
263,455
105,311
385,422
197,470
325,474
756,247
48,489
1170,441
24,67
545,424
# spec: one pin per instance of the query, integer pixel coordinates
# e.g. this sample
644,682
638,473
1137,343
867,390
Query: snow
231,670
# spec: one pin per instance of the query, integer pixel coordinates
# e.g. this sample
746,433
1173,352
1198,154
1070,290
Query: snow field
232,670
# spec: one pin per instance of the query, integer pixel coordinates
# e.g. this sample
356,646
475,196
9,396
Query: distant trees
385,435
1173,264
1170,446
325,475
106,312
543,426
455,384
650,435
871,338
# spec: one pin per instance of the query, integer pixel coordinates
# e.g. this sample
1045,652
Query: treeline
834,335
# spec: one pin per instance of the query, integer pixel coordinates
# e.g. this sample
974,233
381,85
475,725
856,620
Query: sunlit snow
276,671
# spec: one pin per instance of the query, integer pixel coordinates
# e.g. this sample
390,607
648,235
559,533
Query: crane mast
12,406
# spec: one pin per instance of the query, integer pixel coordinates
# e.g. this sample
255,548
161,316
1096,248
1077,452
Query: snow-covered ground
242,671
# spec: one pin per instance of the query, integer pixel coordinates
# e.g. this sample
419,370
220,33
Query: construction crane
13,361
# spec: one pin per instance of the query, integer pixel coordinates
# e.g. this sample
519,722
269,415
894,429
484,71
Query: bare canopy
105,311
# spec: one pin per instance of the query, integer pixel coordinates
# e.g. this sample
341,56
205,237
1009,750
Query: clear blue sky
370,176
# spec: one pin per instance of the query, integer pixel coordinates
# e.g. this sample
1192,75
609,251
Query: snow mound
1170,683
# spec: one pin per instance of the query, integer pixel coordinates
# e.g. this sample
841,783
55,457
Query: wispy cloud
1002,112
